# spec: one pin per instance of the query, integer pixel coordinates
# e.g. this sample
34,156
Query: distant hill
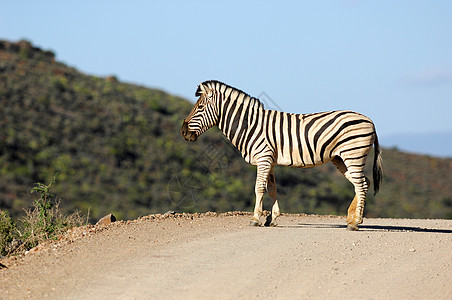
433,143
118,149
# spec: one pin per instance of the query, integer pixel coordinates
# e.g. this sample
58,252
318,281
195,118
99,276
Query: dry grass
44,221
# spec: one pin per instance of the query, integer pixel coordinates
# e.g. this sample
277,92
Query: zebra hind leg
355,176
352,208
361,188
339,164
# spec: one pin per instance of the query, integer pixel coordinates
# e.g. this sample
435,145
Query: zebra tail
378,165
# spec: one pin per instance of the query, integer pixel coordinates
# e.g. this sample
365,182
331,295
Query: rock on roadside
108,219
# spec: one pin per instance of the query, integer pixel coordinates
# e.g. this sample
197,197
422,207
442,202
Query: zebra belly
295,161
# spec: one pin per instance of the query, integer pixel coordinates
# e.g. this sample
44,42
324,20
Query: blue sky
390,60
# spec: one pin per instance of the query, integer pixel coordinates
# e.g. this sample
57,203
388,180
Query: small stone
169,213
412,250
108,219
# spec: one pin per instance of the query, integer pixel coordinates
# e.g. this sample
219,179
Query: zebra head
203,116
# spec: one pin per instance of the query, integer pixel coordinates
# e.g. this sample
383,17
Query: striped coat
266,138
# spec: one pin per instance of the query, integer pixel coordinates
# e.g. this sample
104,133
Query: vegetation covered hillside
118,150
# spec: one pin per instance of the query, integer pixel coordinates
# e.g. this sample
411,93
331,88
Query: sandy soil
219,256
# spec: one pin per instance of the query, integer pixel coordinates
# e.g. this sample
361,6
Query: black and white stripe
266,138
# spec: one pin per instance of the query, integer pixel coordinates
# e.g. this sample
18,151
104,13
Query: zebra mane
223,87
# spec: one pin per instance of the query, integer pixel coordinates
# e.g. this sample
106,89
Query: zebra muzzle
187,134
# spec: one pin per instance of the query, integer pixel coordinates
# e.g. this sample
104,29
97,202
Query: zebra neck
237,118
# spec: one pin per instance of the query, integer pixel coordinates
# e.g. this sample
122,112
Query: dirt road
220,257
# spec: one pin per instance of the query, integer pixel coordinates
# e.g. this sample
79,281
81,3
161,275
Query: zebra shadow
387,228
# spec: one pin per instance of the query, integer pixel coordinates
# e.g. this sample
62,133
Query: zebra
267,138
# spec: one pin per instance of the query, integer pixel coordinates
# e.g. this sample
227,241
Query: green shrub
7,227
45,221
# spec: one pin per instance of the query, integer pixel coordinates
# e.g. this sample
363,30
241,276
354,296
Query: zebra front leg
260,188
271,188
257,210
271,218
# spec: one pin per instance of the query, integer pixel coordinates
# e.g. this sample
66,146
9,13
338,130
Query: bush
7,227
45,221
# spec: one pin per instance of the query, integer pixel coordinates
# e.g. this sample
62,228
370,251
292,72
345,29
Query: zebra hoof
270,223
253,222
352,227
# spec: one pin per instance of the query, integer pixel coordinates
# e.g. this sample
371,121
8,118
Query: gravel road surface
219,257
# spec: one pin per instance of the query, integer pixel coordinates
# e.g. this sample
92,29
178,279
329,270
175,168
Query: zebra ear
198,91
201,90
